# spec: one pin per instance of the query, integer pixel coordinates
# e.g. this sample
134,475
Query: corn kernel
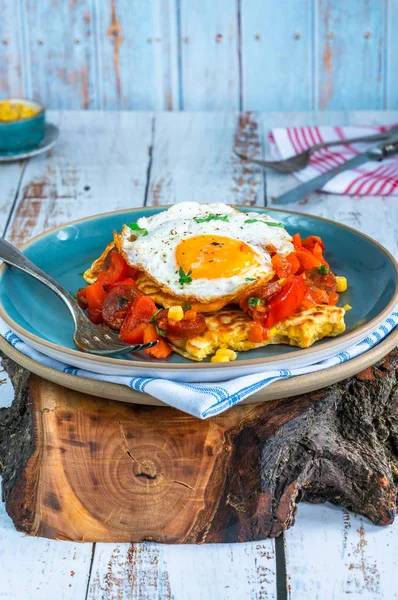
341,284
347,307
218,358
226,352
176,313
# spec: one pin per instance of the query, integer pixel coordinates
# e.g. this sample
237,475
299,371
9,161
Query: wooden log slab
76,467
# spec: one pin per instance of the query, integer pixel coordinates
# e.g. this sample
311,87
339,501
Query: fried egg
204,252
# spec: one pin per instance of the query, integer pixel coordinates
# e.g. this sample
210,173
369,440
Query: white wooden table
106,161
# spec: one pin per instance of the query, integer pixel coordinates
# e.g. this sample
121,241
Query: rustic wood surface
79,468
329,551
201,54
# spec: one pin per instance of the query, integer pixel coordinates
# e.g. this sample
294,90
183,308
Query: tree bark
77,467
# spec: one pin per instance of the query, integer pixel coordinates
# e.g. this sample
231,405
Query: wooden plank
137,45
99,164
210,55
36,568
61,58
11,174
193,159
392,54
11,75
276,51
152,572
350,54
333,554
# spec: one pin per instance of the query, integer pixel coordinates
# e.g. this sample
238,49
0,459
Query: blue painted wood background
201,54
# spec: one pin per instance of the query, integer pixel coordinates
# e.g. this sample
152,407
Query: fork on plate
87,336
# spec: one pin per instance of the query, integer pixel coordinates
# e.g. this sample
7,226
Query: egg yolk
213,257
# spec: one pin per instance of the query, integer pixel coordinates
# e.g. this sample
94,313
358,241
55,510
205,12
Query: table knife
378,153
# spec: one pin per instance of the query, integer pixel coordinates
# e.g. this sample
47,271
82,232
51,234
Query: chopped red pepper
310,241
162,349
285,266
287,301
116,272
139,312
256,332
95,295
297,240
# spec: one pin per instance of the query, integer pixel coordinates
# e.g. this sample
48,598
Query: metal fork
88,337
300,161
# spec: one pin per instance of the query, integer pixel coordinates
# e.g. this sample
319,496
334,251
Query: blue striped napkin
205,400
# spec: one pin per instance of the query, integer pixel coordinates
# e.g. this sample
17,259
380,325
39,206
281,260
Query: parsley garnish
250,278
160,331
152,319
73,295
184,277
186,306
254,302
269,223
211,217
138,229
323,269
82,273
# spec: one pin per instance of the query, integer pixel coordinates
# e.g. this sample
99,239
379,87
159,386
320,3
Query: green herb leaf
138,229
73,295
82,274
254,302
160,331
184,277
269,223
250,278
323,269
186,306
211,217
152,319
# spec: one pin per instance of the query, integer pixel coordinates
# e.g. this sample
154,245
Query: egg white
154,253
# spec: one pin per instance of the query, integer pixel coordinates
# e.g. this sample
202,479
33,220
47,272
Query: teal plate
41,318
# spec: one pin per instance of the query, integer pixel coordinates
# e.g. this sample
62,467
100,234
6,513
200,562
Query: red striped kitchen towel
370,179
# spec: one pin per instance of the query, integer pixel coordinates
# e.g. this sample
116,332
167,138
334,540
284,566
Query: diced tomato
281,266
256,333
307,259
95,295
136,336
127,281
285,266
297,240
310,242
162,349
320,296
294,261
333,298
116,272
314,278
287,301
140,311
